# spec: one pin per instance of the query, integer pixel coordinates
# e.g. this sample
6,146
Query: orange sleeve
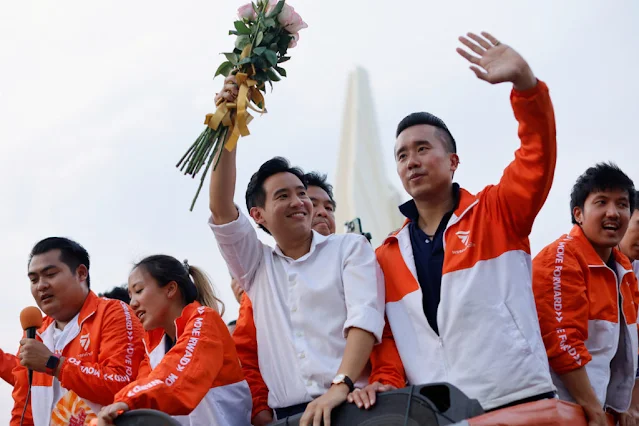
145,368
121,351
7,363
562,306
526,182
245,338
186,373
19,394
386,365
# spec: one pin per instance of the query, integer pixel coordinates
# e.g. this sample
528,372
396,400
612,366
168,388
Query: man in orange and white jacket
587,298
87,349
459,303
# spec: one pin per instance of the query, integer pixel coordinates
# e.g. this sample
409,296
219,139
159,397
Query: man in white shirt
318,301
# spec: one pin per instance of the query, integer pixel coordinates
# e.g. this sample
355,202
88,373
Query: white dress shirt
303,308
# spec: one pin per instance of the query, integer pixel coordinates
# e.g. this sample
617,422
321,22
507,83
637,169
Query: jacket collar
88,309
154,337
591,255
464,201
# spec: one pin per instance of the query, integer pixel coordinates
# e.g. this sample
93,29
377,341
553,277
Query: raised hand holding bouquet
266,29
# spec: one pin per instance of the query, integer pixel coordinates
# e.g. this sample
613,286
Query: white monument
362,188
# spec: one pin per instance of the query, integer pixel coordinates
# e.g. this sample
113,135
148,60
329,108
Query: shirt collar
317,240
409,208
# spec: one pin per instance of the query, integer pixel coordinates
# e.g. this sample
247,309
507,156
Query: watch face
52,362
339,379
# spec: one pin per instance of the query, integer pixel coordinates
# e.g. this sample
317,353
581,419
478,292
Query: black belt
546,395
282,413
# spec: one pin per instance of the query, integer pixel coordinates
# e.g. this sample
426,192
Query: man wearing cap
459,303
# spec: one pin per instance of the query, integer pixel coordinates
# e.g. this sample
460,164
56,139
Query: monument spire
362,188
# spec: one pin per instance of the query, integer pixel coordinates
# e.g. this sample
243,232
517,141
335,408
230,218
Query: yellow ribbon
235,115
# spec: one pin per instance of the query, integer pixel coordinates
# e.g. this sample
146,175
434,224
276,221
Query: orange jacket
486,296
103,347
245,338
7,363
577,302
200,377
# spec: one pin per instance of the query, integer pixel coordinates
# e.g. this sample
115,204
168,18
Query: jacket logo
464,237
85,341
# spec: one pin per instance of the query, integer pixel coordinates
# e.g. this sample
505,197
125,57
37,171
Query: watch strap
52,364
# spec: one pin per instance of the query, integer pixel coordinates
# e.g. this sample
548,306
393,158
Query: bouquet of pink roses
265,31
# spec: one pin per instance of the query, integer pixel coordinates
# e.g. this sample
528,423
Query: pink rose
294,40
271,5
295,24
247,12
286,15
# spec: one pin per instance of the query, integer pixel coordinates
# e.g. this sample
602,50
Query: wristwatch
343,378
52,364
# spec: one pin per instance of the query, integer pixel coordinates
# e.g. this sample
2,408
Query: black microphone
31,320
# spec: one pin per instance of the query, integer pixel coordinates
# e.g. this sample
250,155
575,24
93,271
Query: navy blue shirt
428,251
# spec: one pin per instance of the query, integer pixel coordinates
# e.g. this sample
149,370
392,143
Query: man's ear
454,162
82,272
257,213
578,214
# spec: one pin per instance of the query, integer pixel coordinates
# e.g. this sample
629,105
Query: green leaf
272,76
260,76
259,38
242,41
259,62
241,27
224,69
231,57
270,23
268,38
277,10
283,59
271,57
233,33
280,70
245,61
259,50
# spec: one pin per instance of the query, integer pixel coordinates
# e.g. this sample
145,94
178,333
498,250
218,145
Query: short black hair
418,118
230,323
72,254
319,180
601,177
117,293
636,200
255,193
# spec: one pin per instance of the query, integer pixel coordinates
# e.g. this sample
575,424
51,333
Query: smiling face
287,211
150,302
423,163
604,218
58,291
630,243
323,211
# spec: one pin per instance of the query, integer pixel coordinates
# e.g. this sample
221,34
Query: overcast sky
98,101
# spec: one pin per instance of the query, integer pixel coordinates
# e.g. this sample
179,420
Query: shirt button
309,383
302,355
294,309
299,334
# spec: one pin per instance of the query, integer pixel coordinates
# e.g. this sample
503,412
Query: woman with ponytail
191,370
